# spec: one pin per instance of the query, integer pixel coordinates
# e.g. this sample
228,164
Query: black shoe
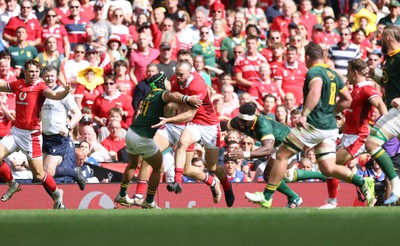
80,180
229,197
174,187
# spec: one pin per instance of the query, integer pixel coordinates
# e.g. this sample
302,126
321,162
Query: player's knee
371,146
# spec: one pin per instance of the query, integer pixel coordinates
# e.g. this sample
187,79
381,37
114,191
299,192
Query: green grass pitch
245,227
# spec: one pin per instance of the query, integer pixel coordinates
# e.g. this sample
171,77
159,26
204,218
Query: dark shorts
55,144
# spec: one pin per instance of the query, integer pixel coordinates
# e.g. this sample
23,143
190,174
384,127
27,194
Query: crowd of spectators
250,50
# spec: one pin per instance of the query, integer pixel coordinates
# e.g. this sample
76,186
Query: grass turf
248,226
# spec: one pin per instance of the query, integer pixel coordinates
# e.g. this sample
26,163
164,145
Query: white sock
332,200
139,196
396,186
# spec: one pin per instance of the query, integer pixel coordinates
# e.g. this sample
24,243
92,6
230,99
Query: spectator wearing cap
343,51
90,82
93,57
50,56
113,53
26,19
307,18
62,9
318,34
87,9
290,75
281,23
40,9
52,27
77,26
274,11
375,59
109,99
330,37
140,58
292,30
172,9
217,11
75,64
165,63
255,15
183,36
393,17
205,47
101,28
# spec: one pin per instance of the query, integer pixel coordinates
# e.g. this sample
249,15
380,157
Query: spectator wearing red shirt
122,76
77,26
307,18
281,23
90,82
246,67
264,86
62,9
278,50
87,9
27,19
109,99
291,75
114,143
330,36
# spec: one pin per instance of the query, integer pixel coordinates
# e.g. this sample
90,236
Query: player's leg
385,129
294,200
50,163
188,137
342,157
326,157
156,163
122,197
5,170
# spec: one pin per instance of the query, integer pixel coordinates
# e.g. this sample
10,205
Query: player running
25,134
316,128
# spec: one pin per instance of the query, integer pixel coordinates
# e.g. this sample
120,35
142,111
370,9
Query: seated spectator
230,100
198,64
97,151
281,115
89,87
110,98
85,147
114,114
114,144
247,144
84,169
19,167
233,172
294,117
382,190
264,86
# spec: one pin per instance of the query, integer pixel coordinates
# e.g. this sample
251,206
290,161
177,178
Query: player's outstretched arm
183,117
59,95
177,97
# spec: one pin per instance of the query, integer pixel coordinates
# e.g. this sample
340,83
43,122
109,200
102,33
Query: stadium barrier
194,195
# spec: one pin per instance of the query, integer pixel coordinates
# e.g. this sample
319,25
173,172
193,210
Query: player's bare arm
177,97
314,94
344,101
266,149
378,103
49,93
183,117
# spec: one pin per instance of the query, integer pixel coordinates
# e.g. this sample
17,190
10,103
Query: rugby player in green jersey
139,138
316,128
271,134
388,126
